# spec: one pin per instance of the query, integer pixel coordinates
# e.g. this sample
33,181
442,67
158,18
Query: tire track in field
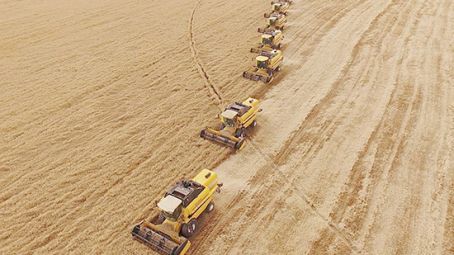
267,175
354,183
212,89
416,201
305,197
448,76
350,95
448,234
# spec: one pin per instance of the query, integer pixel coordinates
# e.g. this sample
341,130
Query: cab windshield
266,40
261,64
172,216
229,122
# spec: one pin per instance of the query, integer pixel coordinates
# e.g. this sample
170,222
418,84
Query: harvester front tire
240,132
184,230
188,229
239,145
161,219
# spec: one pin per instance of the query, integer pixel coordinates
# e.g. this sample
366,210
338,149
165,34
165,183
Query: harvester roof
169,203
267,36
186,191
229,114
261,58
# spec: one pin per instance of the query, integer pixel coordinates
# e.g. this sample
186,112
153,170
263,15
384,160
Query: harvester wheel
239,132
239,145
210,207
202,133
161,219
188,229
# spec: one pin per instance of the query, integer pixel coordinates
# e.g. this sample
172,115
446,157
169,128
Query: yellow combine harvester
268,64
235,119
176,220
280,7
268,41
275,21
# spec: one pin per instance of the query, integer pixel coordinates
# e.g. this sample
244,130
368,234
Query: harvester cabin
187,191
240,108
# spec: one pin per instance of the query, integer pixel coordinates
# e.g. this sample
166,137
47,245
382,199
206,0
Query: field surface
101,104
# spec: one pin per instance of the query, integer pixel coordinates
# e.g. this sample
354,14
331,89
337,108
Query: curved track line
213,90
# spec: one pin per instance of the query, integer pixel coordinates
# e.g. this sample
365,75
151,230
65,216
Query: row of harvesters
269,59
238,119
177,215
